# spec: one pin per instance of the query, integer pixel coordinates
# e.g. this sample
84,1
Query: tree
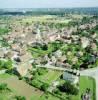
68,88
44,86
5,64
3,86
96,28
42,71
20,98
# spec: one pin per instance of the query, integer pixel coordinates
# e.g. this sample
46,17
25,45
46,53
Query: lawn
87,82
5,76
7,96
97,32
48,19
18,87
4,96
50,76
44,97
3,31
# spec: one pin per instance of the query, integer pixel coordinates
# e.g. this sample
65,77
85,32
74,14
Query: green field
44,97
18,87
5,76
48,19
87,82
50,76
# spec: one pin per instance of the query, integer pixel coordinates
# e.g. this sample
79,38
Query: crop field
47,19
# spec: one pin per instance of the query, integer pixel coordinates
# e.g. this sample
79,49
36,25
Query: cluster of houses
57,58
24,35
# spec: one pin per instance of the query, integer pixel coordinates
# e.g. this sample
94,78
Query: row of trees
5,64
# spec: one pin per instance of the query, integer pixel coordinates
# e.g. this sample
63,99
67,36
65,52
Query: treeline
51,11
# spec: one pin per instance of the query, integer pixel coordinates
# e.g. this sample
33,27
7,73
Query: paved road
54,67
92,73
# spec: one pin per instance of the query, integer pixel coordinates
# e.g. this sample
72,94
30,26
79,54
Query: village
50,55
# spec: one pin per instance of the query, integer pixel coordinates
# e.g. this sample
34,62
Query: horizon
47,4
52,8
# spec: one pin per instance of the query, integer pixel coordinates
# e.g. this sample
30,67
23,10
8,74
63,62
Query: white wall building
71,77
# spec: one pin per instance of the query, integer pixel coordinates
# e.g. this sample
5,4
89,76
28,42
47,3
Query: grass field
5,76
50,76
48,19
44,97
19,87
87,82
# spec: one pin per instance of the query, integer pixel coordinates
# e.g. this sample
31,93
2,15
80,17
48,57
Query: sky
47,3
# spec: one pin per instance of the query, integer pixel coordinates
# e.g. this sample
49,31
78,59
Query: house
93,46
15,47
93,35
85,42
58,53
53,86
71,77
53,37
3,51
79,54
16,58
1,54
22,69
74,60
62,62
75,37
54,60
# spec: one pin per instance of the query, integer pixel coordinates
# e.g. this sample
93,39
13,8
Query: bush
36,83
20,98
68,88
41,71
3,31
3,86
44,86
5,64
57,91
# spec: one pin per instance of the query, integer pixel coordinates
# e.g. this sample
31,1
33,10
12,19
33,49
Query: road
92,73
54,67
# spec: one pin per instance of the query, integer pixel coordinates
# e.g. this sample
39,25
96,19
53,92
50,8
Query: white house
58,53
71,77
85,42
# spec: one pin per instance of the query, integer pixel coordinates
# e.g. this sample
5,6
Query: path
54,67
